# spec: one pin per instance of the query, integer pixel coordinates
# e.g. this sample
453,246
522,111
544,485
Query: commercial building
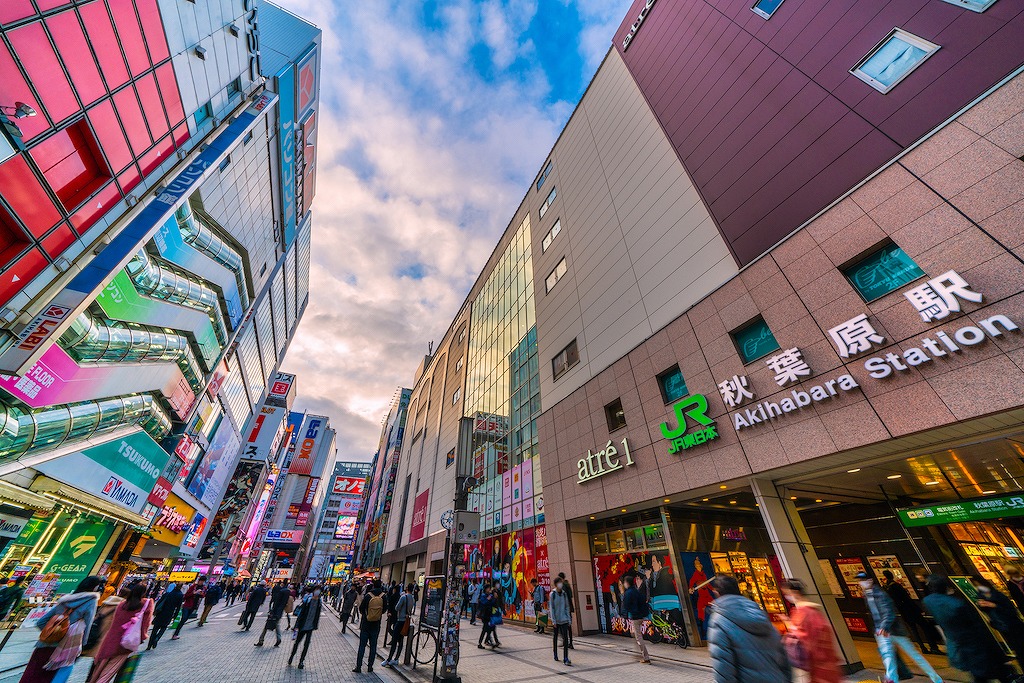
336,521
156,244
776,259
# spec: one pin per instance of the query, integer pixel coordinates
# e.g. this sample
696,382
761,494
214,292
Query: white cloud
421,163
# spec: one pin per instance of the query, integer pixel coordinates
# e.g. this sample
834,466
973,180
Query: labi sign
696,408
605,461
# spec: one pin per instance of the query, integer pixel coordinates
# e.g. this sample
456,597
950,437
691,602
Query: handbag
797,653
132,638
69,648
496,620
405,627
56,628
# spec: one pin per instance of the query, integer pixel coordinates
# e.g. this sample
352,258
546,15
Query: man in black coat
212,597
278,599
256,597
163,614
307,620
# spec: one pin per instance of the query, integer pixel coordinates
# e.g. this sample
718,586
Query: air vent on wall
201,52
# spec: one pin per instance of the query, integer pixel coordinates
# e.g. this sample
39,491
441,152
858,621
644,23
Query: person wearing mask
1015,585
256,598
10,596
743,643
112,653
348,603
911,613
403,614
394,592
307,620
636,609
890,633
190,604
212,597
371,609
567,587
809,640
486,611
538,604
474,601
1002,614
164,612
560,618
52,661
278,601
970,645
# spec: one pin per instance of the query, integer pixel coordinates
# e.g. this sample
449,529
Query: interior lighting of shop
855,469
987,493
705,499
622,510
894,476
931,483
667,500
723,487
732,502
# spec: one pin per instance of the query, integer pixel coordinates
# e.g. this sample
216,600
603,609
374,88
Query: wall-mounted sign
182,577
419,517
349,485
605,461
194,531
963,511
696,408
734,535
11,526
644,11
309,441
284,535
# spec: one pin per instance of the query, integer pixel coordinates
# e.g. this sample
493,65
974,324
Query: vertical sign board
307,444
281,392
78,553
286,144
419,517
264,432
307,87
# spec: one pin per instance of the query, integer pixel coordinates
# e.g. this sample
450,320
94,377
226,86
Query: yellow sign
169,524
183,577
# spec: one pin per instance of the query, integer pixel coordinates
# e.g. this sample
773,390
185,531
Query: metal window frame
929,47
761,13
966,4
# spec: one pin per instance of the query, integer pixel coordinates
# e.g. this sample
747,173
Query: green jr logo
696,408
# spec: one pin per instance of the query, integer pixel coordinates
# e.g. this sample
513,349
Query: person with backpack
63,629
743,644
560,618
371,609
190,604
538,604
636,610
163,614
307,620
212,597
128,629
404,608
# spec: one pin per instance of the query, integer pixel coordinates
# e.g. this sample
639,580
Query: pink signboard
419,517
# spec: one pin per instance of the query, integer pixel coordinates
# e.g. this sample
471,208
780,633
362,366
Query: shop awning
20,496
69,495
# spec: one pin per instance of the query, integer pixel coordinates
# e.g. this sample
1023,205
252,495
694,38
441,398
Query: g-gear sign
351,485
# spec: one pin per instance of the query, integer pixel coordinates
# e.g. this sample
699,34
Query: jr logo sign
696,408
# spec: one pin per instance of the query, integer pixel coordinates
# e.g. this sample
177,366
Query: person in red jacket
190,604
809,641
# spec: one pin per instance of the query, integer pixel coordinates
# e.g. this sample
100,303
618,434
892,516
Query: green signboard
78,553
33,530
963,511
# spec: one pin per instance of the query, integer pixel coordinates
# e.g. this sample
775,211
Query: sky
434,119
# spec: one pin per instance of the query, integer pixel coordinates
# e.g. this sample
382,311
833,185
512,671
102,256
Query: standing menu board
433,602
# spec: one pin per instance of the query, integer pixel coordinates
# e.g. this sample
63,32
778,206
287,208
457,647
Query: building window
766,8
555,276
672,385
455,396
893,59
973,5
458,365
754,340
71,162
615,415
549,201
247,139
567,357
235,88
202,114
883,270
224,165
552,234
544,175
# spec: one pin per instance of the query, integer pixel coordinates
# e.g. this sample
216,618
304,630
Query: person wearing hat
890,633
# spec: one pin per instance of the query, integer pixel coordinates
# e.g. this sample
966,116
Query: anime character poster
698,570
652,573
511,561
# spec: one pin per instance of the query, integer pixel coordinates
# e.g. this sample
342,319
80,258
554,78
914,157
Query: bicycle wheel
425,648
656,636
683,640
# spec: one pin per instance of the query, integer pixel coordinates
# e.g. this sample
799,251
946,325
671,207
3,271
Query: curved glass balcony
195,232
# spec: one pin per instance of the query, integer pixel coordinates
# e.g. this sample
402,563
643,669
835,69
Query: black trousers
397,639
368,632
562,629
303,636
247,619
156,634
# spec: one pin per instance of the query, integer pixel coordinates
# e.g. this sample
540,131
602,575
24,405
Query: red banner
419,517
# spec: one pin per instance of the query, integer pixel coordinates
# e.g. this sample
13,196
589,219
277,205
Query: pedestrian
1015,585
371,609
256,597
101,623
348,602
636,609
560,618
289,608
190,604
212,597
743,643
136,612
10,596
465,597
474,602
538,604
567,587
970,644
890,633
279,599
1002,614
489,617
913,616
60,643
164,612
809,640
394,592
307,620
403,616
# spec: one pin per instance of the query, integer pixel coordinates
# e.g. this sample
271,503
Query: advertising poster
78,553
307,444
346,527
849,567
881,563
236,499
215,468
264,433
306,505
830,577
350,505
698,571
653,573
170,525
433,601
419,517
194,532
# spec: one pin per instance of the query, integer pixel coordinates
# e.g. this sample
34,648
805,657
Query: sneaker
357,670
175,637
645,661
480,646
567,662
386,663
556,657
369,669
257,644
301,665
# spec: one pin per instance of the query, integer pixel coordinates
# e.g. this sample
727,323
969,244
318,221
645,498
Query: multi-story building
156,243
336,520
777,259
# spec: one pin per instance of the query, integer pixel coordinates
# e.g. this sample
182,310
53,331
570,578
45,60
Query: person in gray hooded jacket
744,646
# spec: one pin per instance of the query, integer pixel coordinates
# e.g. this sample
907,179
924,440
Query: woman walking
1003,615
128,628
969,644
60,643
809,642
307,620
560,617
348,602
485,609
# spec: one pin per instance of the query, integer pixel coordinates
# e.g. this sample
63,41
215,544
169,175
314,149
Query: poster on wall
511,561
849,567
830,577
78,552
698,572
216,466
652,572
883,563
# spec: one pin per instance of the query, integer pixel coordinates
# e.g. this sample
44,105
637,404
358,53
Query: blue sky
435,117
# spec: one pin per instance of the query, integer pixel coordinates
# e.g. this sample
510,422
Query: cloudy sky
435,117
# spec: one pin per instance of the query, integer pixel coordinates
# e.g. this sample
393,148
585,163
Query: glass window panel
12,10
57,241
15,89
130,34
755,341
672,385
893,59
77,57
129,179
149,95
156,41
108,130
128,109
71,163
169,91
766,8
156,156
43,67
51,4
104,41
27,197
881,272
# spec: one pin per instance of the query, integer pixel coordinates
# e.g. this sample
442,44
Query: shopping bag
496,620
128,669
